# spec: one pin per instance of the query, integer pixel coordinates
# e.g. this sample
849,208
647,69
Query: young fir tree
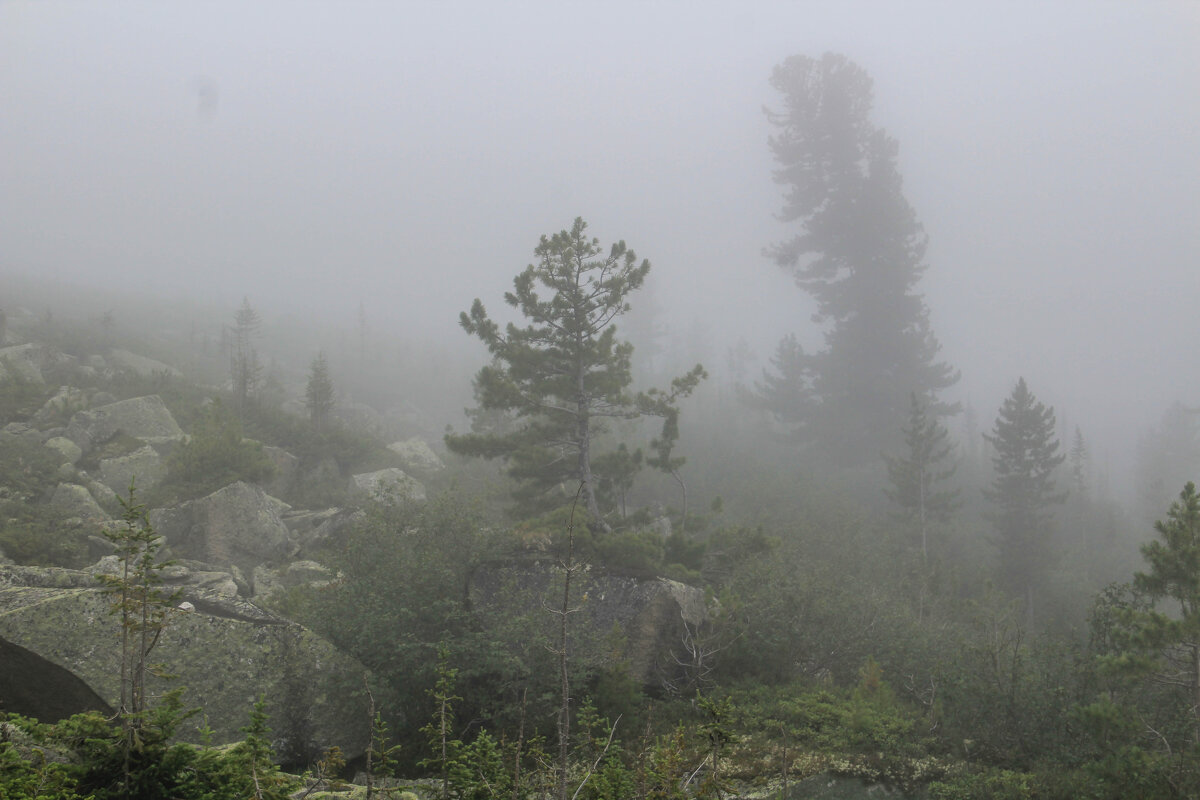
917,476
318,393
244,368
859,253
142,605
1023,491
562,376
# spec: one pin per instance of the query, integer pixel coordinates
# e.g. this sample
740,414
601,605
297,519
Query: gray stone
146,367
64,403
238,525
21,430
312,530
656,616
69,450
388,485
76,501
226,652
144,418
286,466
269,580
416,455
21,361
144,464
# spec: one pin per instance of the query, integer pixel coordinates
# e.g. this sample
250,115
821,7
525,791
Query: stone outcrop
312,530
389,484
239,525
20,361
144,464
147,367
144,418
654,616
416,455
76,501
225,652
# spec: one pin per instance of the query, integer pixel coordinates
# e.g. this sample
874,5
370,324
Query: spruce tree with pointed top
1023,492
918,477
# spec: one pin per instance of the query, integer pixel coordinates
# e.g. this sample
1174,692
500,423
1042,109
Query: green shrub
215,456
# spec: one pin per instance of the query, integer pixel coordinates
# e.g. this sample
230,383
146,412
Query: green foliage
558,380
32,532
916,476
632,552
1027,455
20,397
858,253
318,393
215,456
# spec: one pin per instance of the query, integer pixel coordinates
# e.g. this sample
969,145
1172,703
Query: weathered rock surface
225,653
389,484
76,501
416,455
67,400
286,466
655,616
146,367
238,525
144,418
20,361
268,580
66,448
311,530
144,464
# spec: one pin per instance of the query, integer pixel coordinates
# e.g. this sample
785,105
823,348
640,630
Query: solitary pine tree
318,393
860,253
917,477
561,377
1023,491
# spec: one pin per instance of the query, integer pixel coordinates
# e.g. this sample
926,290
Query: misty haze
613,401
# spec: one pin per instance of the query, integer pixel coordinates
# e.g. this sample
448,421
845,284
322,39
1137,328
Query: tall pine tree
859,252
560,378
1023,491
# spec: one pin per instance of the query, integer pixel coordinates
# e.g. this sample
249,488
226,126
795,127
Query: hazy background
406,157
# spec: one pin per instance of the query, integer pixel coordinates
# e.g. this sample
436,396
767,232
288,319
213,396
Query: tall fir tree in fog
244,367
319,393
560,378
859,252
919,477
1023,492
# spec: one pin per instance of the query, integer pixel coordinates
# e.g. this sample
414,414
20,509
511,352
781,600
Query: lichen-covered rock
76,501
238,525
21,362
311,530
655,617
144,464
416,455
389,485
144,418
147,367
268,580
67,401
225,652
66,448
285,465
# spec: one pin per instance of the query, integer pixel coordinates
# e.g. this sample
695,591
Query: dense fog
403,159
